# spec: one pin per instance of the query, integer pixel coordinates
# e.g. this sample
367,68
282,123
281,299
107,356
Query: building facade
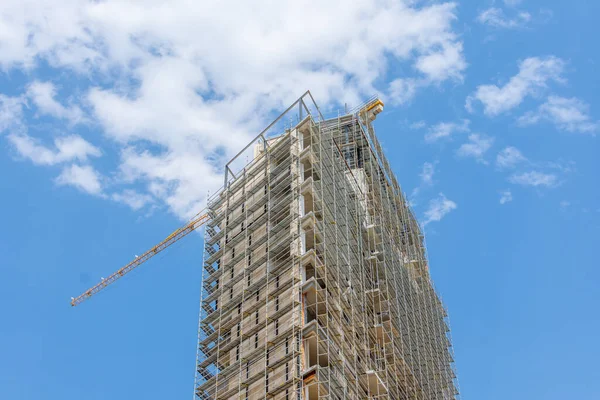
316,283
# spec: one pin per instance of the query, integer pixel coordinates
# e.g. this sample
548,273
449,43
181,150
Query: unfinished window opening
346,317
310,271
306,170
287,372
310,315
305,139
360,157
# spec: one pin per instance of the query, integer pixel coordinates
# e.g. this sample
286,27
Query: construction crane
196,222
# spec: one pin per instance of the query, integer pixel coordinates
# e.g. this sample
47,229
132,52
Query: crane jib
200,219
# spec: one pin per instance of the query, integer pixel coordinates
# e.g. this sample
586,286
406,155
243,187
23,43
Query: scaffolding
315,277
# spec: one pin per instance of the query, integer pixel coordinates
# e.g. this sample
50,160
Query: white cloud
534,74
568,114
438,208
509,157
534,178
446,129
84,178
196,102
512,3
505,197
496,18
476,147
67,148
11,113
418,125
43,96
448,63
402,90
426,180
184,195
427,173
132,198
563,166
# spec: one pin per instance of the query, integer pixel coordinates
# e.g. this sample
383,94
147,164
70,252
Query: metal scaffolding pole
316,283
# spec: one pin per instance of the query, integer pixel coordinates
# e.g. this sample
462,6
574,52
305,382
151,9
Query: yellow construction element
199,219
375,104
369,112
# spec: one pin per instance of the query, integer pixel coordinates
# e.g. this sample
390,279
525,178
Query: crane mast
199,220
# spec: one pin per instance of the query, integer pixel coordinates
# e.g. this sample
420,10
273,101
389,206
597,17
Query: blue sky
116,119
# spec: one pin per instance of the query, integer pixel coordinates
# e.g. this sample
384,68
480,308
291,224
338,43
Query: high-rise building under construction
316,283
